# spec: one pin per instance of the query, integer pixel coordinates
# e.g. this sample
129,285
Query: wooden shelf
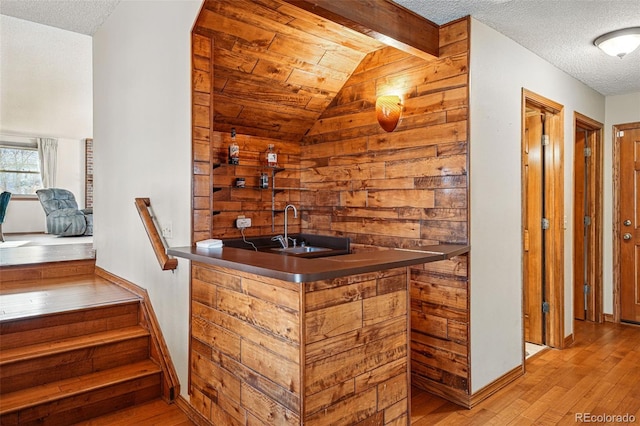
250,166
257,188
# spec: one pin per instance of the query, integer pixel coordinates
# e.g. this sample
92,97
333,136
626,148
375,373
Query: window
19,169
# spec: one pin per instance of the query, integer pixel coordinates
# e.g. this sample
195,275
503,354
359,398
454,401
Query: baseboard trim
456,396
191,412
608,318
493,387
568,341
463,399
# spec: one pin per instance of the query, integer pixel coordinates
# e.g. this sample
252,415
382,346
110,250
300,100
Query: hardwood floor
598,375
157,413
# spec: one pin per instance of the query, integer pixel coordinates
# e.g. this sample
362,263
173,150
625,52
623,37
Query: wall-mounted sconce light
620,42
388,111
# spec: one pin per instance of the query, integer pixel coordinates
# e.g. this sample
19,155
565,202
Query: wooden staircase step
42,271
47,362
52,327
91,394
75,348
38,298
23,353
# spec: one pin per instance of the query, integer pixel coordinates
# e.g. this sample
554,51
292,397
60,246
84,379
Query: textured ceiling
560,31
79,16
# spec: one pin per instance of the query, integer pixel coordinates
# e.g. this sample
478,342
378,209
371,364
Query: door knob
627,236
627,222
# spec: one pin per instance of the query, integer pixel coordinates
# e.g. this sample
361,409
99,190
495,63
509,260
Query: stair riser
24,374
47,270
60,326
87,405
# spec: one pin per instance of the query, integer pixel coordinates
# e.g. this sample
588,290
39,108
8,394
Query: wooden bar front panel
270,352
357,350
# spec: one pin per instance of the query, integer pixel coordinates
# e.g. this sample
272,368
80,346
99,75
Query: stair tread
32,299
22,353
49,392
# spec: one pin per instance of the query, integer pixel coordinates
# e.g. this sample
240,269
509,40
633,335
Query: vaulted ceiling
277,67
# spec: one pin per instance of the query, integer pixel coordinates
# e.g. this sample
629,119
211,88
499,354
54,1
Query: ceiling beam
382,20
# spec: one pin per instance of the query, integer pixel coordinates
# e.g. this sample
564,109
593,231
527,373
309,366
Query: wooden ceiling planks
276,67
279,64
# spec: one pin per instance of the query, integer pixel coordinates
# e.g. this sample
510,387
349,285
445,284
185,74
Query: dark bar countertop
299,269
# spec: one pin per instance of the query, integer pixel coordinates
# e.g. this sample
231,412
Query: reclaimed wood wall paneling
427,152
404,189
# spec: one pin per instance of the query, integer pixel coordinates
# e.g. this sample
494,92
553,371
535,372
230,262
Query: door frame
617,233
554,191
596,189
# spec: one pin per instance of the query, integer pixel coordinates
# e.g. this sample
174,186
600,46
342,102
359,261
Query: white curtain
48,153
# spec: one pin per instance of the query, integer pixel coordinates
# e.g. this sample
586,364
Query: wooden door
587,220
532,208
543,220
629,220
580,201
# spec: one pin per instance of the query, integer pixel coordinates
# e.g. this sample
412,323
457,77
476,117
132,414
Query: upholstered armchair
4,203
63,216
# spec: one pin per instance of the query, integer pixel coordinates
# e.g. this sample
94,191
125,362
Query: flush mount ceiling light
388,111
620,42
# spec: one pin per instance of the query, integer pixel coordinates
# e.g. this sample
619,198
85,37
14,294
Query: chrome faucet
281,240
295,215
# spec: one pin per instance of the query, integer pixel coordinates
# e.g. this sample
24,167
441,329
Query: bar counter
283,340
298,269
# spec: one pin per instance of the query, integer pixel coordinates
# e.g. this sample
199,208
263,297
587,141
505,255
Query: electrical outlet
167,230
243,222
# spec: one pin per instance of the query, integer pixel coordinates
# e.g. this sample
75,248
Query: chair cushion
89,219
67,225
56,198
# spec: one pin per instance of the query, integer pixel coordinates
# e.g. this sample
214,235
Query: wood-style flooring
157,413
598,375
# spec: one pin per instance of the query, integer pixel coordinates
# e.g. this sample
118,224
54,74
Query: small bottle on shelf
264,181
271,157
234,149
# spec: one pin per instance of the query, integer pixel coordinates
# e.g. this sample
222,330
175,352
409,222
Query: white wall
45,80
499,70
142,148
619,110
45,91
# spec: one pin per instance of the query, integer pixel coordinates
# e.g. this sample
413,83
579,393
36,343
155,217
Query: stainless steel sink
301,249
314,245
